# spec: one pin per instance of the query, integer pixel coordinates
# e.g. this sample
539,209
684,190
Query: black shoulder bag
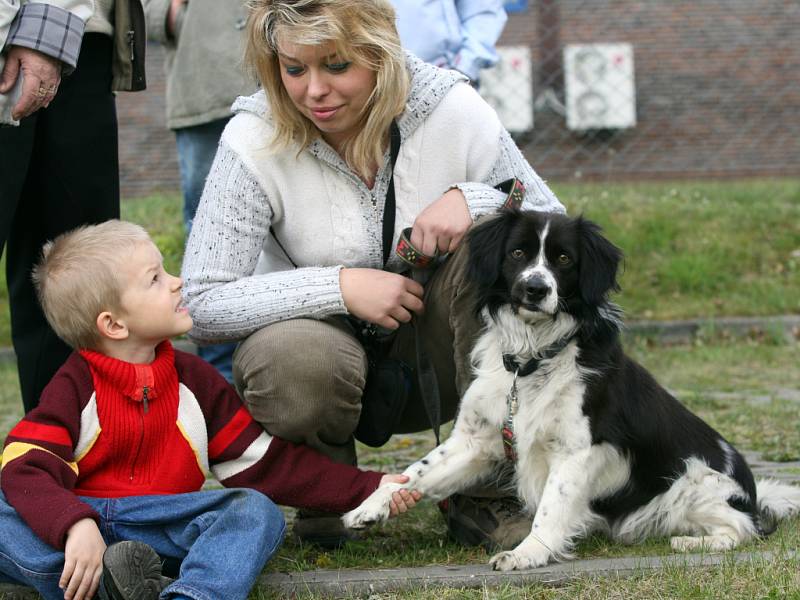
389,380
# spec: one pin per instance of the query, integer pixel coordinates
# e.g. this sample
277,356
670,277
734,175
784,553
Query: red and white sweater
107,428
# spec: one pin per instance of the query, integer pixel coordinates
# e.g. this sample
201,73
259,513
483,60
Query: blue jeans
197,147
223,538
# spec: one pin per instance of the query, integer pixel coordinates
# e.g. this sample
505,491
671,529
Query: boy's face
151,298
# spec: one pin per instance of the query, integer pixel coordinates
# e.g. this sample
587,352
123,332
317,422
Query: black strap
389,204
512,366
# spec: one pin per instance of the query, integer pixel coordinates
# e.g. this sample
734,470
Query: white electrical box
508,89
599,85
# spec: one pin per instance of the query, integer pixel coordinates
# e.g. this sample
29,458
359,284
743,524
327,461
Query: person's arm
83,561
164,18
482,197
43,39
482,22
226,300
38,468
242,454
443,223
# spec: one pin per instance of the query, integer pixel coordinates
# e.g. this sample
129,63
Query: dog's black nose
536,289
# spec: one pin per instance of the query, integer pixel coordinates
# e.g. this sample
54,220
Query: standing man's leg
197,147
73,180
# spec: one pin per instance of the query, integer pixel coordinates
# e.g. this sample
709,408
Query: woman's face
327,90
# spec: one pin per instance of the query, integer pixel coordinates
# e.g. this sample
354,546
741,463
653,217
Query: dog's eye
517,253
564,260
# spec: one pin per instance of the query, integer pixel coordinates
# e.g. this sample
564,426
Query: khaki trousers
302,379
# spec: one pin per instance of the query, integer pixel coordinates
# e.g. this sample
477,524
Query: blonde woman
308,157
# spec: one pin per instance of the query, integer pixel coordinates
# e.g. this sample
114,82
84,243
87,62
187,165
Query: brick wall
717,93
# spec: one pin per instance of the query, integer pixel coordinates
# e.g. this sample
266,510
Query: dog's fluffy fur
600,444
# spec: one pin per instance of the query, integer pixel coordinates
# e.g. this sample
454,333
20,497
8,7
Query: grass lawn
765,369
693,249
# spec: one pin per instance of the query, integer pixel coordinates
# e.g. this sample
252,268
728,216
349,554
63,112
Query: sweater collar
134,380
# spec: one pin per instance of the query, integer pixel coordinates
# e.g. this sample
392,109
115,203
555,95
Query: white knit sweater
236,278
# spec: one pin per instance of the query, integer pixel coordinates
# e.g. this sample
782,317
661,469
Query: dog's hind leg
696,510
451,467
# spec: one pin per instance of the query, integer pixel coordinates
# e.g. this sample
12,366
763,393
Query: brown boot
494,523
321,529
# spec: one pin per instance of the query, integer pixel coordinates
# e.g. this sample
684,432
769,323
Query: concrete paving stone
363,582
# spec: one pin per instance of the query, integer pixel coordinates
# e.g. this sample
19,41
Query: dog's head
541,264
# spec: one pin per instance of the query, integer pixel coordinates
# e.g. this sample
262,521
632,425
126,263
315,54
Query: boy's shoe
494,523
325,530
131,571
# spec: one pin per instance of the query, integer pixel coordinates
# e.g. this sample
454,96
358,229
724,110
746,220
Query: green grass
693,249
700,248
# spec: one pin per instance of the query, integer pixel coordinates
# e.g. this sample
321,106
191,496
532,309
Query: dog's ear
486,243
599,262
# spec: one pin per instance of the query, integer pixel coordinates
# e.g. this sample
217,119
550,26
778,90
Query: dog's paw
709,543
373,510
515,560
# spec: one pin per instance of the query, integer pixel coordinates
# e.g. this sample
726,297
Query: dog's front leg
454,465
562,513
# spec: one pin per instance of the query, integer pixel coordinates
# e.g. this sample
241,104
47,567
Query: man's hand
41,76
402,500
83,561
442,225
386,299
172,15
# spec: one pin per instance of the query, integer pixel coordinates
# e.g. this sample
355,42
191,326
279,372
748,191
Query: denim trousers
197,146
222,538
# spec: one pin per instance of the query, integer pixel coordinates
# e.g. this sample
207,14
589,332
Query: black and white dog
595,441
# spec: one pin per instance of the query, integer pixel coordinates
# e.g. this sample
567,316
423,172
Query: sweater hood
429,85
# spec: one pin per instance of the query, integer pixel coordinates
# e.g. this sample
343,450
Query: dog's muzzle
531,292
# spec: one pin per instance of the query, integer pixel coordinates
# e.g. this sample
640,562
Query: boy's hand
83,561
402,500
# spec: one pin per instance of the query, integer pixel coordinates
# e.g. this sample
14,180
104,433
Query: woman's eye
564,260
337,67
155,279
294,71
517,253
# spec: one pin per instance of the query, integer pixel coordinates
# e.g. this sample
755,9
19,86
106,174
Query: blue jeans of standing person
223,539
197,147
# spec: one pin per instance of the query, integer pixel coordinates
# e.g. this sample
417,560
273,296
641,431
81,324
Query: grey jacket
204,58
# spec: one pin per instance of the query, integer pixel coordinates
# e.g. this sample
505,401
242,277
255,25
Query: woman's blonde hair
76,278
362,31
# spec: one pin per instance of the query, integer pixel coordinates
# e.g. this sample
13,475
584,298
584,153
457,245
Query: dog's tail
776,501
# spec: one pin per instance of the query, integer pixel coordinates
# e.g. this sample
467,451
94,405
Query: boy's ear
110,327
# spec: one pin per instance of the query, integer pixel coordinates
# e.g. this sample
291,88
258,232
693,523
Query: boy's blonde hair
364,32
76,278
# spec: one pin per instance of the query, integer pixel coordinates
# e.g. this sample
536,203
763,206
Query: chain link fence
600,90
603,89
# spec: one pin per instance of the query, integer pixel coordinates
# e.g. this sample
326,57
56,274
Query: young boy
124,434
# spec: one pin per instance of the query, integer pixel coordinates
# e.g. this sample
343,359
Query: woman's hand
442,225
386,299
402,500
83,560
